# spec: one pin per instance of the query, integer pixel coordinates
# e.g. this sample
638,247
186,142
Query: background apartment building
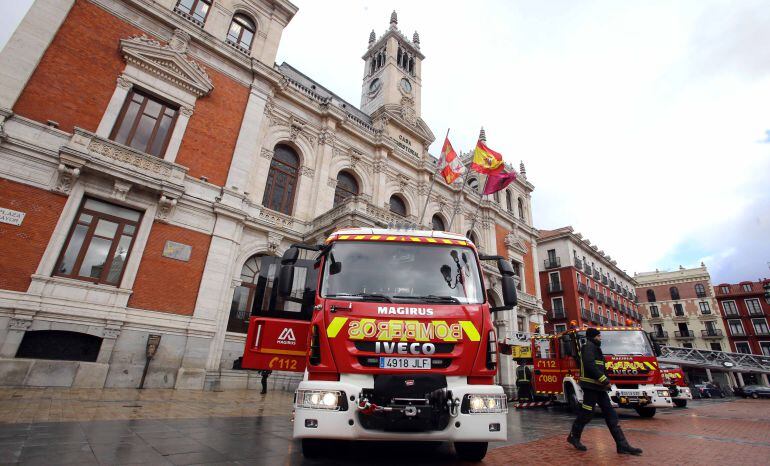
745,309
679,308
153,159
581,283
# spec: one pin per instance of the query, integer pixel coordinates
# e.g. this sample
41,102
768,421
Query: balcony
712,334
595,318
552,263
588,270
555,287
578,264
612,286
605,282
596,275
591,293
661,335
684,335
581,288
615,304
188,16
600,298
558,313
584,314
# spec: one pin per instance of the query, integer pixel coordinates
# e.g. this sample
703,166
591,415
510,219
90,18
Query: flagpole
459,198
433,180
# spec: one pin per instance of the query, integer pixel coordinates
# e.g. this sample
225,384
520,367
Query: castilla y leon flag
453,166
498,181
485,160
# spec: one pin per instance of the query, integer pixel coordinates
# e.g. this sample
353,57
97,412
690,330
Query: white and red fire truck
630,360
675,380
393,329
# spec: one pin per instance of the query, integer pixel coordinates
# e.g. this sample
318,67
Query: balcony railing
600,298
578,264
756,312
684,335
188,16
731,313
615,304
761,331
552,263
715,333
595,318
612,285
588,270
591,293
581,288
585,314
700,294
554,287
604,280
662,335
596,275
558,314
737,332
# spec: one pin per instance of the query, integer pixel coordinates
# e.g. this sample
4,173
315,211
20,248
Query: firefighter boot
574,438
623,447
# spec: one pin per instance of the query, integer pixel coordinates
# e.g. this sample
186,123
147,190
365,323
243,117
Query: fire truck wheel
471,451
646,412
680,403
312,447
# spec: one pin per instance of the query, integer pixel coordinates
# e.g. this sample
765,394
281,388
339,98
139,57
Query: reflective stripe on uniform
586,407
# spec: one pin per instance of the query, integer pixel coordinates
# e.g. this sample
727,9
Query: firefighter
265,374
595,384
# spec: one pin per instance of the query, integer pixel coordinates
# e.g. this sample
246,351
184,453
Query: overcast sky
644,125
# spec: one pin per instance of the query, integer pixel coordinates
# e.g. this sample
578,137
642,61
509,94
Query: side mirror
510,298
446,271
285,280
290,256
505,268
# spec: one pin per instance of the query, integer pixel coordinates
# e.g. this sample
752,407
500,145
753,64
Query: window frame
742,343
440,220
764,345
237,43
165,104
753,310
553,303
734,306
700,290
763,321
191,14
651,293
705,308
656,313
267,196
746,287
730,327
674,292
402,201
85,245
345,194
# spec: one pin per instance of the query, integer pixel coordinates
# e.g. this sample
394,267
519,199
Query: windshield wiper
364,296
431,298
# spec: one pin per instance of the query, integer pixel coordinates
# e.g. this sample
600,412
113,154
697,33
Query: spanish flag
485,160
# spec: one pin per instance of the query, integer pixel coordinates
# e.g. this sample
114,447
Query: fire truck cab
399,344
630,360
676,381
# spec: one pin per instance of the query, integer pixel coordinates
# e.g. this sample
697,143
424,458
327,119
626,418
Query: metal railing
554,287
596,275
558,314
581,288
715,333
731,313
684,335
588,270
691,357
604,280
753,312
591,293
662,335
585,314
552,263
578,264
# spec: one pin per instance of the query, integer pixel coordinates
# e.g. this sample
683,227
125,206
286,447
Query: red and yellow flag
485,160
453,166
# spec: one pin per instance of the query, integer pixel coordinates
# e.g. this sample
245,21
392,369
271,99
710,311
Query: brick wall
21,247
170,285
76,77
529,268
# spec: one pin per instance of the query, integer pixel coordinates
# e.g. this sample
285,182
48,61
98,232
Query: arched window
281,180
651,296
473,183
471,236
438,223
241,32
521,209
700,290
347,186
243,298
508,201
674,292
397,205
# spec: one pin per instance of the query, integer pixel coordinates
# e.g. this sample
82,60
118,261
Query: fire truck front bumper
344,415
680,393
646,396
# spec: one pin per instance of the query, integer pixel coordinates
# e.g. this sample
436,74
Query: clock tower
392,78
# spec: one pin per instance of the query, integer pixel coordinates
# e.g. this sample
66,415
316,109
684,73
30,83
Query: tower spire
394,19
416,39
482,135
372,38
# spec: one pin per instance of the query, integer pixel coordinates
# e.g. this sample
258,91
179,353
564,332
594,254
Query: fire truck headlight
663,393
321,399
484,404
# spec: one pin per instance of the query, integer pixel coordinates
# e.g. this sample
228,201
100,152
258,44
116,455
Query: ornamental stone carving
165,207
111,333
137,159
274,242
67,178
179,41
306,171
266,153
19,324
120,189
326,136
124,83
332,183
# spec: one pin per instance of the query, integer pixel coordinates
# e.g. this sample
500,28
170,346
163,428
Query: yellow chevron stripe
335,326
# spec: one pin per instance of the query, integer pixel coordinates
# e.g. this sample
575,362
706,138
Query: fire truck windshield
402,272
631,342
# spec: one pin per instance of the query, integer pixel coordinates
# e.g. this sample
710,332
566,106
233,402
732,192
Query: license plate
405,363
629,393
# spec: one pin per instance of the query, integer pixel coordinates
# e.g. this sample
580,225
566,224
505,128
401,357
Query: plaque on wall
12,217
178,251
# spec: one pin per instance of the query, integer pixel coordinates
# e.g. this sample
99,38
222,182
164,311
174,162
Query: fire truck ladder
720,360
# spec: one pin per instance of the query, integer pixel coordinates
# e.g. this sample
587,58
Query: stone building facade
151,150
679,308
581,283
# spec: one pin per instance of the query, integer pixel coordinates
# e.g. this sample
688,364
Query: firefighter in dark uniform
595,384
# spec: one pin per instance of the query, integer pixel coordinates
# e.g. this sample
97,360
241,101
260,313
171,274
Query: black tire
313,448
754,395
680,403
572,402
471,451
646,412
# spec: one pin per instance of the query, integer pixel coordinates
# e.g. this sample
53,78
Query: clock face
375,87
406,85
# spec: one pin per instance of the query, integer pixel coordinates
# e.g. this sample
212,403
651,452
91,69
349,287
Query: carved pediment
168,62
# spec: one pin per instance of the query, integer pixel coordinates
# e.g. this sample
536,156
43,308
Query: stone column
708,375
16,328
113,107
248,146
109,337
176,135
763,377
740,379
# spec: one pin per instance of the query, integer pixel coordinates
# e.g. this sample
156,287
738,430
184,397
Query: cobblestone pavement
63,426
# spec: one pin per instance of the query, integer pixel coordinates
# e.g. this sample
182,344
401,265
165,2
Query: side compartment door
547,375
278,327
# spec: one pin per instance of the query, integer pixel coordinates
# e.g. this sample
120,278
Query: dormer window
241,32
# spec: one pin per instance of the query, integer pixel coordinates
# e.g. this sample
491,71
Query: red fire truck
675,380
630,360
394,332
